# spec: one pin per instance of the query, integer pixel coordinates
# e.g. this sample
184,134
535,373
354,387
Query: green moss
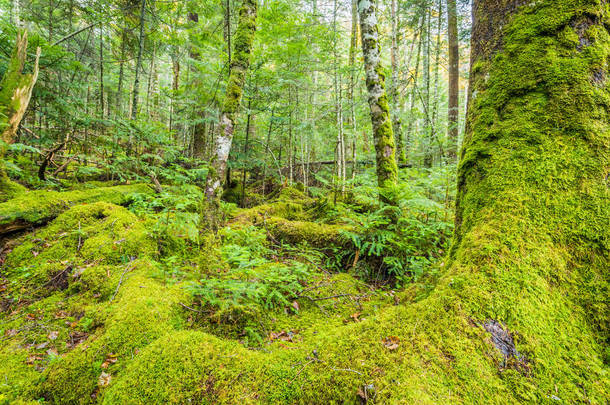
188,367
37,207
8,189
318,235
531,251
73,248
143,310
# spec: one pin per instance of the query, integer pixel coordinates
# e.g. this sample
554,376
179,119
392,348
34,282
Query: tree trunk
427,143
136,81
244,37
119,93
396,124
387,170
15,93
410,126
437,58
454,80
101,72
352,79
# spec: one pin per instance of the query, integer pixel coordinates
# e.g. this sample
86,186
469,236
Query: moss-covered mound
37,207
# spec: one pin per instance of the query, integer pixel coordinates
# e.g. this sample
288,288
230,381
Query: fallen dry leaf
295,306
53,335
391,342
52,352
32,358
110,359
104,379
283,335
11,332
355,316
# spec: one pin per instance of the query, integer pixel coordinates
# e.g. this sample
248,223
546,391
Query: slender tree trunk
396,124
119,93
267,142
454,80
427,144
437,58
244,37
151,81
244,171
102,72
136,81
387,170
337,97
352,80
227,28
415,81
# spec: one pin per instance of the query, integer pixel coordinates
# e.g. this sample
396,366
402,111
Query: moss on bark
244,38
385,150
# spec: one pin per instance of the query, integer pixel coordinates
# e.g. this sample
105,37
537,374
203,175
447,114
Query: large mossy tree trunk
387,169
15,93
243,39
532,239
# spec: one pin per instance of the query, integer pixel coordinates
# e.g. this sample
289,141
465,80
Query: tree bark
396,124
415,77
136,81
454,79
15,93
387,170
119,93
244,37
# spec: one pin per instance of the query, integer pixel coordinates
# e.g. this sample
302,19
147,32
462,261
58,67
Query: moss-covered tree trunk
387,170
15,93
243,39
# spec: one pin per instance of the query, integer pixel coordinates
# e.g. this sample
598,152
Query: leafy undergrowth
297,300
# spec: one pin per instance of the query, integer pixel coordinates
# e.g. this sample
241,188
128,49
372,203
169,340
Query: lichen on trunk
387,169
244,37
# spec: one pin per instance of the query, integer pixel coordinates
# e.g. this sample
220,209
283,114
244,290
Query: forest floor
112,294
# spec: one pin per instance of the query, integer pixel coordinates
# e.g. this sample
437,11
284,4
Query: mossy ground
92,314
94,311
88,304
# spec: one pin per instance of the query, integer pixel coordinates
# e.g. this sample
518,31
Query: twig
189,308
74,33
345,369
129,268
315,303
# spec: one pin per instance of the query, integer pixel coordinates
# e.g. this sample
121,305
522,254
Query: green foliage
254,281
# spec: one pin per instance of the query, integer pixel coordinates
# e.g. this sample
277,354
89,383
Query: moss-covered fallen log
38,207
